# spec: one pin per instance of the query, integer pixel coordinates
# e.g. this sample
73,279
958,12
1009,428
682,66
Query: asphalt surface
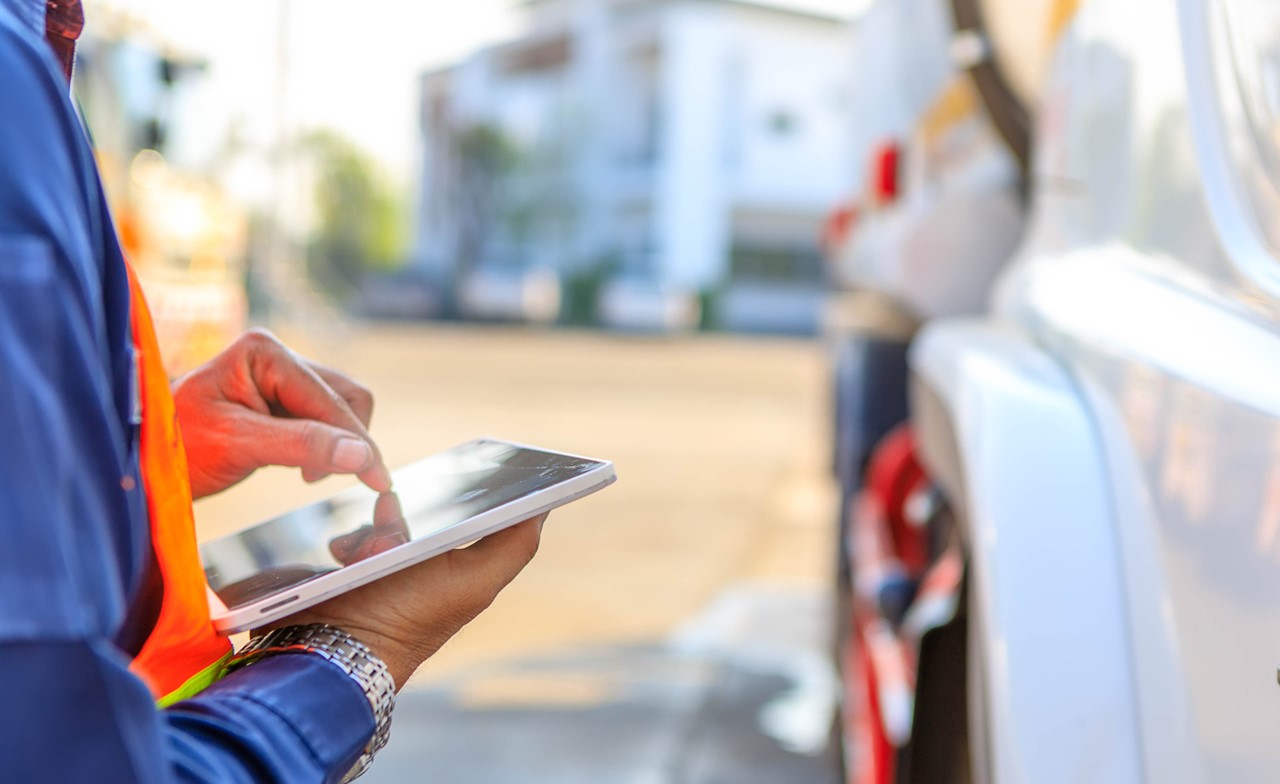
672,629
736,710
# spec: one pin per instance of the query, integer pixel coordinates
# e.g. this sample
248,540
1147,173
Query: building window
544,55
639,119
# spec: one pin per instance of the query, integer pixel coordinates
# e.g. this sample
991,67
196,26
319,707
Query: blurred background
933,341
593,225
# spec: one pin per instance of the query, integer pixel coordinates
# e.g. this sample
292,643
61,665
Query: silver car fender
1006,432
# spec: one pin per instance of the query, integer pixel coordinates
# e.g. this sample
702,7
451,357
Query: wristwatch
350,655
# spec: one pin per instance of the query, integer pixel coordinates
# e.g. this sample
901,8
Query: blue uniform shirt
74,539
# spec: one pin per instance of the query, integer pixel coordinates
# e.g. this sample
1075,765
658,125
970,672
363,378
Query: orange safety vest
184,653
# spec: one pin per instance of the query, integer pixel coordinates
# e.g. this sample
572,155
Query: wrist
397,656
401,663
345,652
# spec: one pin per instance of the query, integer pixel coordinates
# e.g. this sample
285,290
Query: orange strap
183,653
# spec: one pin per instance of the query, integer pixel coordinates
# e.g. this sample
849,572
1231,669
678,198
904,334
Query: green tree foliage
486,160
360,217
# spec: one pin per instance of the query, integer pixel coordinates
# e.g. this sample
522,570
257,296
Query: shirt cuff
323,705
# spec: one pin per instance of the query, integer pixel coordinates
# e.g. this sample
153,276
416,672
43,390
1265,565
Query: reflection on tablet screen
431,496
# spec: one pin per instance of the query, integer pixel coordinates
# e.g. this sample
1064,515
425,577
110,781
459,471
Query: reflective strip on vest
184,653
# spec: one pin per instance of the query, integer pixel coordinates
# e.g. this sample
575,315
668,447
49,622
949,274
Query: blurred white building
674,148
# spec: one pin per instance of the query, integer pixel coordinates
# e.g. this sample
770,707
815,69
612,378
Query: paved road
671,629
741,696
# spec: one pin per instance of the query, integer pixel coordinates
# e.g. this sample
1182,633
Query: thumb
499,557
309,445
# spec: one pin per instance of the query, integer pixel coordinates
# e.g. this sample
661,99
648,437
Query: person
102,612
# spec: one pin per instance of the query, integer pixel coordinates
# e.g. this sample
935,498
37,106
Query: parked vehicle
1101,445
940,213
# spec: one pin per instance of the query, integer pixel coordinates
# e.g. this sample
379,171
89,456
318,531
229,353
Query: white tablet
295,561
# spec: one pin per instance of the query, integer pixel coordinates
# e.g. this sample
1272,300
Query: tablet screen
430,497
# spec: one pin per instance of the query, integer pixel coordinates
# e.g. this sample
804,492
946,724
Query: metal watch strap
350,655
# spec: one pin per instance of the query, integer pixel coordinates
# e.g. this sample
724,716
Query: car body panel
1044,558
1132,282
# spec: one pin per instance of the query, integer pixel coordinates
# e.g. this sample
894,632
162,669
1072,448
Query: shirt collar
29,12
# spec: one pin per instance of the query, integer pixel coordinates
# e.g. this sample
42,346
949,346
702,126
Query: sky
353,67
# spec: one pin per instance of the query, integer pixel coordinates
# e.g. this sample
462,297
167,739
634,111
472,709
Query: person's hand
407,616
259,404
388,531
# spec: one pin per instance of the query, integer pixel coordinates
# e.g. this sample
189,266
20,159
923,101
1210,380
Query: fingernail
351,455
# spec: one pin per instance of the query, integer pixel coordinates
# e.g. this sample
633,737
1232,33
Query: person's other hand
407,616
259,404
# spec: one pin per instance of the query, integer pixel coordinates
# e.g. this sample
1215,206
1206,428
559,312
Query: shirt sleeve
74,713
68,518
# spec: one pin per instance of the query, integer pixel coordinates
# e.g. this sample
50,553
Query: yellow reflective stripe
196,683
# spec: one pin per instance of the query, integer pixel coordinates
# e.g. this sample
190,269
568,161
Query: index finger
358,397
287,383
